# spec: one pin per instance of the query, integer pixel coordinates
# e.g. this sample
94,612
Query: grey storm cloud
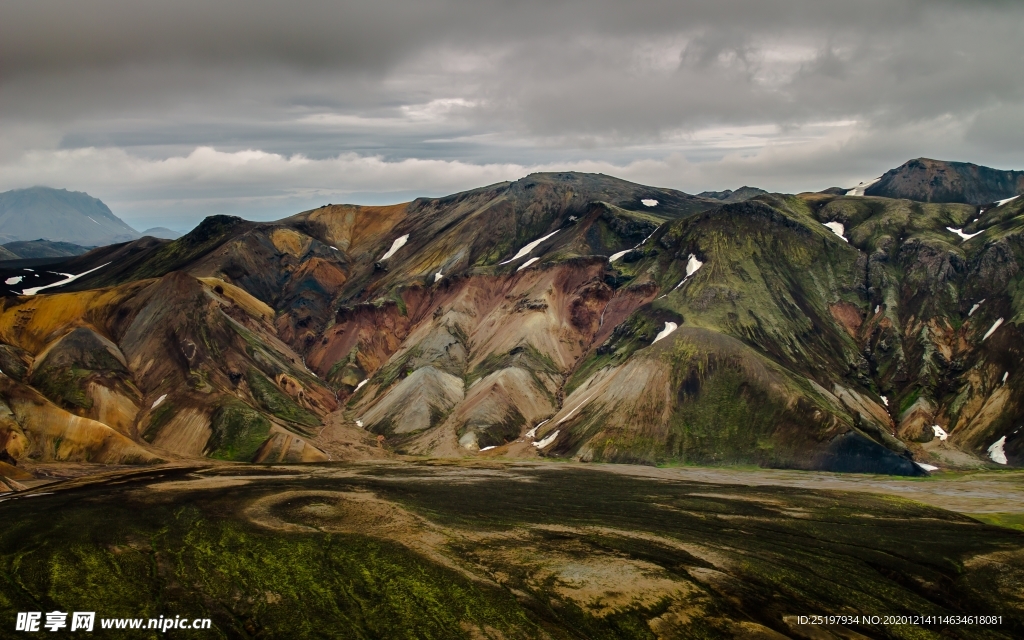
174,110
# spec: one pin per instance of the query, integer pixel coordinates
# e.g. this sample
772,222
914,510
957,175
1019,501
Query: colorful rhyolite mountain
565,315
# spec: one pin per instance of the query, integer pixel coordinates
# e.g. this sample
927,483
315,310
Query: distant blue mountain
60,215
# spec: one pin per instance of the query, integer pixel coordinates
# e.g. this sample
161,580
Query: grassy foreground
449,551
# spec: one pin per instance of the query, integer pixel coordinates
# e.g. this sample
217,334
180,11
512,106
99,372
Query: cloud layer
173,111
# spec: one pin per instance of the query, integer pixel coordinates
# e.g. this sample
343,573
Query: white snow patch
940,433
649,202
860,188
67,279
438,276
526,264
996,451
395,246
335,248
975,307
569,415
33,270
532,433
837,228
965,236
528,248
1005,376
885,401
359,423
992,329
14,280
90,217
540,444
1000,203
669,328
878,308
360,385
616,256
489,448
692,265
927,467
159,401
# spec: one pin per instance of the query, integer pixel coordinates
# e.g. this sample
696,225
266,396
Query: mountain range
562,315
59,215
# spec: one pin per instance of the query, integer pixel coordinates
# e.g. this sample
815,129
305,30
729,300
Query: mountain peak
60,215
739,195
929,180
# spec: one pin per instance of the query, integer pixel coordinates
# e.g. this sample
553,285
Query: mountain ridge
60,215
564,315
927,180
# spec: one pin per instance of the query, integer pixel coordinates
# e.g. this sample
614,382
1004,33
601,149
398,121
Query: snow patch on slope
992,329
860,188
996,451
578,407
837,228
669,328
68,278
649,202
528,248
616,256
940,433
159,401
692,265
540,444
14,280
1000,203
526,264
964,236
532,433
395,246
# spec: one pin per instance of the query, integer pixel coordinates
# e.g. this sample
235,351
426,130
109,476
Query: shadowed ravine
432,550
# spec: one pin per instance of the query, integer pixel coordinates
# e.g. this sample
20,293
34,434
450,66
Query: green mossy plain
753,555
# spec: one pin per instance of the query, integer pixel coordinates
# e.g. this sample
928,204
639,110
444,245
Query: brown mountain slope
174,367
560,315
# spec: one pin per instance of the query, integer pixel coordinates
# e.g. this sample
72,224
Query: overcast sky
170,111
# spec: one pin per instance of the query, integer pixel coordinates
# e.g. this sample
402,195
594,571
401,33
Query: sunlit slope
173,367
566,315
